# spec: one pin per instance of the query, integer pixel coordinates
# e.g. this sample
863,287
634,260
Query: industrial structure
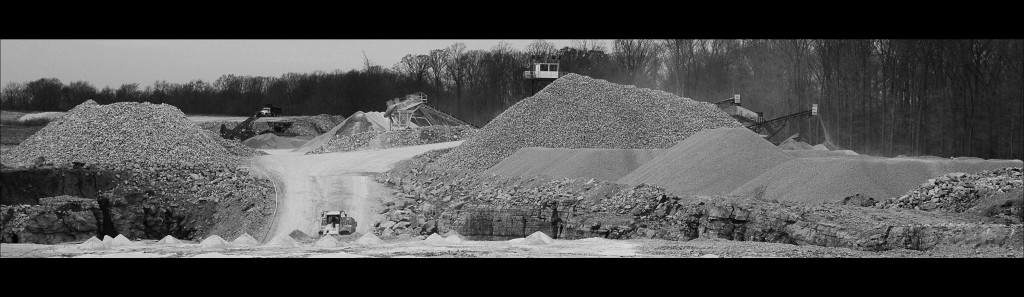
543,71
413,111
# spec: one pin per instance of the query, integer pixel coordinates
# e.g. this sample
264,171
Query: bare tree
636,57
541,48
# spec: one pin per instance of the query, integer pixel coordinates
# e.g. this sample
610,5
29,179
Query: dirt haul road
335,181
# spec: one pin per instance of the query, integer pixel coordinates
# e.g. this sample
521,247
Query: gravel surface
711,162
272,141
605,164
830,179
581,112
122,133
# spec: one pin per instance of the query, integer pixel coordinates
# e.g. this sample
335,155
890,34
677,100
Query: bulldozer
336,223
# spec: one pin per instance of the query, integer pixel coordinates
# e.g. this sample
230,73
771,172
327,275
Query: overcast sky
114,62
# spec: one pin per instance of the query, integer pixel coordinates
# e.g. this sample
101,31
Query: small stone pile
122,133
958,192
245,240
577,111
233,146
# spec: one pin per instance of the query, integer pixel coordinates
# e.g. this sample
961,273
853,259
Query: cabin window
554,67
543,67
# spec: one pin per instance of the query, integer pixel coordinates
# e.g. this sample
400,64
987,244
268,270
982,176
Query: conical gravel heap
120,240
327,241
369,238
245,240
282,240
214,242
434,239
711,162
93,244
577,111
122,133
537,238
454,239
169,240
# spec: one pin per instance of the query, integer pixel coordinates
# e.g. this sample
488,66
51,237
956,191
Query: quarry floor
311,184
416,248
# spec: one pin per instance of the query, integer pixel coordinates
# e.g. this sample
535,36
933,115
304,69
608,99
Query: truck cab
336,223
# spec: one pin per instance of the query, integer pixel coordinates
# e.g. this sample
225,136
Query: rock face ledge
740,219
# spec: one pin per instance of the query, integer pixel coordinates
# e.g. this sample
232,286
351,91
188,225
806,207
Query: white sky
114,62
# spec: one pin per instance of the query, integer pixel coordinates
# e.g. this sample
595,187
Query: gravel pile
434,239
605,164
792,144
169,240
398,138
123,133
282,240
93,244
245,240
958,191
710,162
272,141
324,122
214,242
581,112
369,238
830,179
234,147
120,240
327,242
537,238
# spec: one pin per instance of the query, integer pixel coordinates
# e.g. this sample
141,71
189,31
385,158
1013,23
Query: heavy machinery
245,130
336,222
775,125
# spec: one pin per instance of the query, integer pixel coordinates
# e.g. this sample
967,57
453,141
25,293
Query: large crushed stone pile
710,162
958,191
122,133
577,111
831,179
324,122
605,164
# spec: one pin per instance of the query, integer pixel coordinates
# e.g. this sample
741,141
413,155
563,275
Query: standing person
556,221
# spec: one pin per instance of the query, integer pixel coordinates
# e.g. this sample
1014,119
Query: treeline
879,97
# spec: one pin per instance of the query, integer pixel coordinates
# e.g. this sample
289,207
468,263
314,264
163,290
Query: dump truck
336,222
